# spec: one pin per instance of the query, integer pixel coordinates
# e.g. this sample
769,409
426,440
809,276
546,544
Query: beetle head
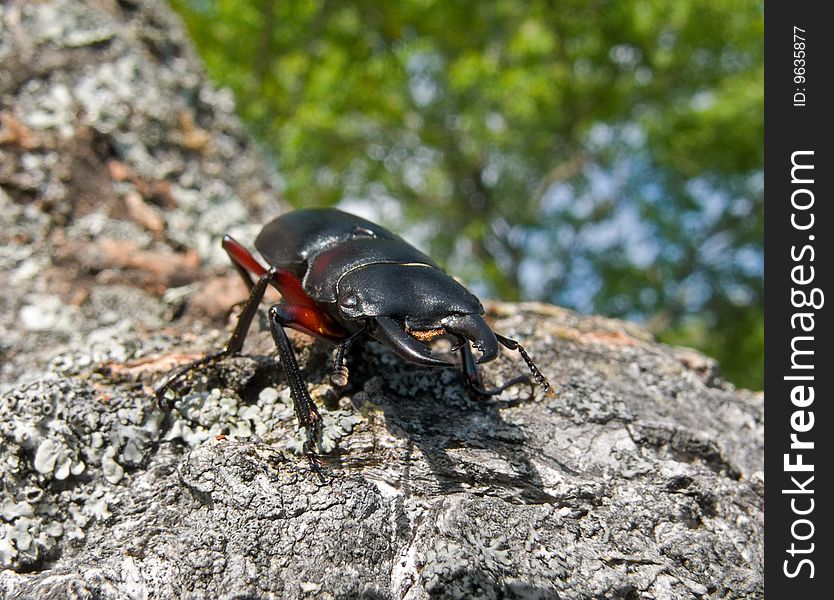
412,304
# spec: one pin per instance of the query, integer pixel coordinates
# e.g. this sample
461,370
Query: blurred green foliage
602,155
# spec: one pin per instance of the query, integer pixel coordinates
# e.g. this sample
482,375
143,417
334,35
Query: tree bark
121,168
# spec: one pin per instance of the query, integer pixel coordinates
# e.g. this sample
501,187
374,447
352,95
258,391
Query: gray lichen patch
45,450
112,471
202,415
336,425
56,459
66,449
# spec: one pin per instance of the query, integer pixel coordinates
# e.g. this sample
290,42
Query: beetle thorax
418,295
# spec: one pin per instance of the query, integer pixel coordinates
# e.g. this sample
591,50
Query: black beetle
341,278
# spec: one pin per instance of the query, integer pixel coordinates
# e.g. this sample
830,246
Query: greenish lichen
112,471
56,459
202,415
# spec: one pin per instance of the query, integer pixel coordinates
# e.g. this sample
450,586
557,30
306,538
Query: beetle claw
392,334
474,328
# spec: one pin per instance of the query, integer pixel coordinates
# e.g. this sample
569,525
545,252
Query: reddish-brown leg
298,312
307,316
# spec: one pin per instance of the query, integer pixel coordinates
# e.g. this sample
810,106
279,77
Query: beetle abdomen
292,239
326,268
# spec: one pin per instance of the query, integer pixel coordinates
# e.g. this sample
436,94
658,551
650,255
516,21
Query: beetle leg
250,309
470,371
472,376
307,317
305,409
233,346
172,380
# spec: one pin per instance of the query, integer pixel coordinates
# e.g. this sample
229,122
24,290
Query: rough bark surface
120,168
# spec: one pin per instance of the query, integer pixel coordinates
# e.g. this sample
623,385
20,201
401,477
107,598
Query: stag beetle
343,278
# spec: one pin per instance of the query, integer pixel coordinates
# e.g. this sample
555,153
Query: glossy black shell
327,247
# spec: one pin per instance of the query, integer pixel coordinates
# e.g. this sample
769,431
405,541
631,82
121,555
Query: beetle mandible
343,278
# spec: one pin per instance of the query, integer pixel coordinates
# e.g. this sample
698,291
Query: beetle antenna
339,373
537,375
